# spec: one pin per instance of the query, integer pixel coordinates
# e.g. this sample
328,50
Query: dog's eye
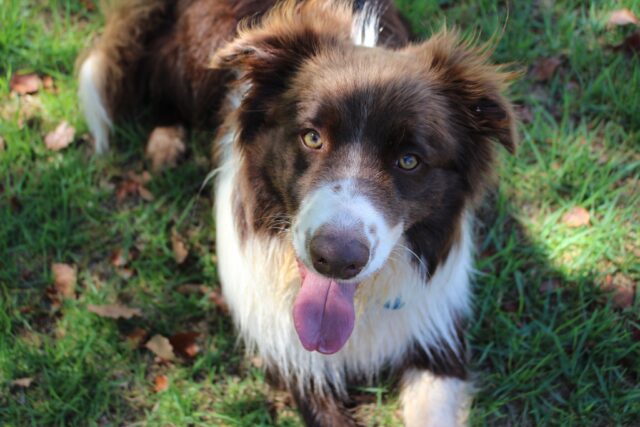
408,162
312,139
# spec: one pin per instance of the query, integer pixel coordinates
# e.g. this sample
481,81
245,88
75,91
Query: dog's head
358,150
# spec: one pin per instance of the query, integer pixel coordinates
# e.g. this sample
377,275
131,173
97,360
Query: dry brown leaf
125,189
88,4
623,290
133,185
545,68
22,382
125,273
184,344
118,258
136,337
114,311
24,84
192,288
217,298
179,247
576,217
622,17
140,178
631,44
549,285
165,146
47,83
161,383
60,138
145,194
64,279
525,114
161,347
3,146
22,110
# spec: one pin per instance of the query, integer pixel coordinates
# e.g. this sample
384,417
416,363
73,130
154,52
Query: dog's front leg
430,400
326,410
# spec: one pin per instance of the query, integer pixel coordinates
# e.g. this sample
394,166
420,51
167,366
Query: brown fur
440,99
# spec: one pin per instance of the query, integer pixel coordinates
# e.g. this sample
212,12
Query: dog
349,163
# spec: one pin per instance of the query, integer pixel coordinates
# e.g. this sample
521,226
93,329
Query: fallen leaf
184,344
136,337
549,285
22,110
114,311
64,279
525,114
622,17
125,273
88,4
22,382
118,258
545,68
631,44
576,217
161,383
60,138
165,146
179,247
125,189
24,84
217,298
622,289
145,194
257,361
140,178
192,288
47,83
3,146
161,347
133,185
53,296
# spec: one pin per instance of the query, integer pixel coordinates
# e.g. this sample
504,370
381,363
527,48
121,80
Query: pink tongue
323,312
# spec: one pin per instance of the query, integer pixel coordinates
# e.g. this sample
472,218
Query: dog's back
154,57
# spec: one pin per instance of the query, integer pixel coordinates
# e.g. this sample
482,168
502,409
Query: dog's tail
107,69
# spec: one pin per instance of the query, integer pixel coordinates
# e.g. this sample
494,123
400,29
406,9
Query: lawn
555,334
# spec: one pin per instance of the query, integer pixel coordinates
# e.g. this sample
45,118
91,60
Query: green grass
549,346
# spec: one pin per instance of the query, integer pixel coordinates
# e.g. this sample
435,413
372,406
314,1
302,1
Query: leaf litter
61,137
64,279
114,311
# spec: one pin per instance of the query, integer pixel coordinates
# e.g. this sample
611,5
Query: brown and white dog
349,164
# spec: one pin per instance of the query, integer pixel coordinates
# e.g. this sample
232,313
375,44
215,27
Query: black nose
340,256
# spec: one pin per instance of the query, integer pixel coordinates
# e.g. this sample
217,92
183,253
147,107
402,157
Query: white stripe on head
340,205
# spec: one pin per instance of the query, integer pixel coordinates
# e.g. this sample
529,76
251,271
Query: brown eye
408,162
312,139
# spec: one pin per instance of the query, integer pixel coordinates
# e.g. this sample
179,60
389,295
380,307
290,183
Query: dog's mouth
323,312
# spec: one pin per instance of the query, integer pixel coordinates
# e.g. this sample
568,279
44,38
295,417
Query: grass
549,346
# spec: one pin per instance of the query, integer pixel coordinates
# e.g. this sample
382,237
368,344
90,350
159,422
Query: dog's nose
340,256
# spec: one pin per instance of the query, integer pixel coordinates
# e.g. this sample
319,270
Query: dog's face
358,151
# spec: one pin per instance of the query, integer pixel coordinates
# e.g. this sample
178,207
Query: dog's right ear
285,37
267,55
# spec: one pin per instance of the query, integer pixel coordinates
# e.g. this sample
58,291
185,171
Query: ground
555,334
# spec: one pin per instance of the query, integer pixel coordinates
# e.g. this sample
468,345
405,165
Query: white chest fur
395,308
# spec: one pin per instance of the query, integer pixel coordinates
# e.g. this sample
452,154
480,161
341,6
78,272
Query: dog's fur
350,72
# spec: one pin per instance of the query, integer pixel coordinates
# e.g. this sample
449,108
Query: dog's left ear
474,84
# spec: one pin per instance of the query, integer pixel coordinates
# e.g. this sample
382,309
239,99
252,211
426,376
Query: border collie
349,162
